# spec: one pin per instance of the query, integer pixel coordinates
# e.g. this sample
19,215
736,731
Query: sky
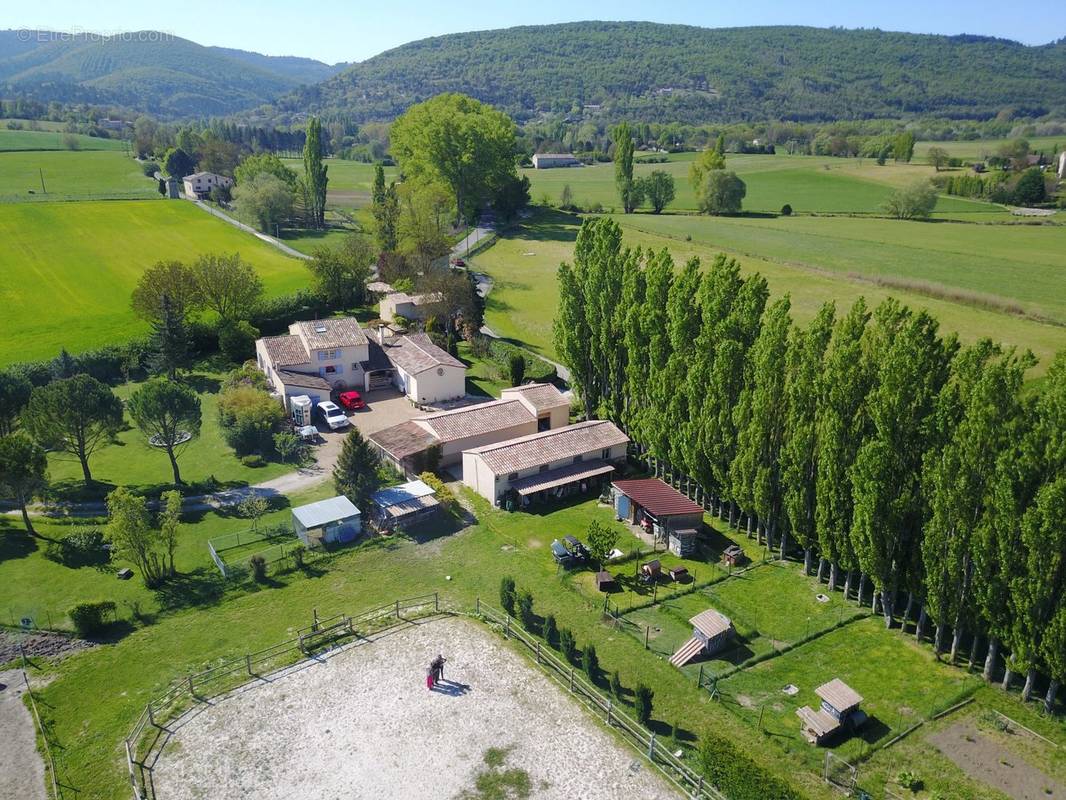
335,30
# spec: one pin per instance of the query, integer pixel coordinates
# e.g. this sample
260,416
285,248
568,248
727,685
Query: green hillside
146,70
681,73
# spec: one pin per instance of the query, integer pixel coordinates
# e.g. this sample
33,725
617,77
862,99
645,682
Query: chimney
381,335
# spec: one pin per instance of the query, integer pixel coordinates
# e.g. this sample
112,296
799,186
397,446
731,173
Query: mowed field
350,182
983,148
71,175
810,184
834,259
55,140
69,268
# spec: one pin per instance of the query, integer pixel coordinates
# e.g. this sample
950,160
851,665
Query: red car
352,400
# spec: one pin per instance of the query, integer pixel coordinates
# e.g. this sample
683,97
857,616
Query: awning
572,473
414,506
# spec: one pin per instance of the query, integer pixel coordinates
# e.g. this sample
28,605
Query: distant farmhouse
322,356
199,185
553,160
408,306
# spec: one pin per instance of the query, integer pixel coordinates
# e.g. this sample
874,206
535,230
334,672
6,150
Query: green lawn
131,461
54,140
810,184
68,175
814,260
92,698
983,148
350,182
69,268
900,683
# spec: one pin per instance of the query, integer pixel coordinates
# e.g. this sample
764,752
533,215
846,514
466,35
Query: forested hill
146,71
681,73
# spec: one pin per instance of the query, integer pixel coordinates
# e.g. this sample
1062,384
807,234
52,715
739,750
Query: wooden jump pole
651,747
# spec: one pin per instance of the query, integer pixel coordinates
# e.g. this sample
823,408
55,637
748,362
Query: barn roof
657,498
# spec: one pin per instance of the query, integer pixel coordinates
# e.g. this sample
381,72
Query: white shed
331,521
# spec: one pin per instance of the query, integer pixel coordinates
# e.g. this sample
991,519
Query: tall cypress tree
623,167
315,179
799,465
170,340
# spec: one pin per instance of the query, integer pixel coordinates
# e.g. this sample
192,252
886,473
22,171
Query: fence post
647,632
571,680
608,711
699,680
248,663
477,605
436,601
151,716
506,627
651,747
397,609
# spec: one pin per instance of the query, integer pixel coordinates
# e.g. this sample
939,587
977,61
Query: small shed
683,542
839,709
656,506
605,581
710,631
651,571
332,521
404,504
734,555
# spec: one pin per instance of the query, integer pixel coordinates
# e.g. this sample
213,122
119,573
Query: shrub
536,369
149,168
909,780
253,460
567,646
525,610
589,661
507,595
287,445
298,554
736,775
249,418
444,494
643,697
90,619
550,630
78,549
616,685
236,341
258,566
786,210
516,367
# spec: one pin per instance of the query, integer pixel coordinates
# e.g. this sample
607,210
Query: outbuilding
405,504
658,508
839,710
332,521
710,631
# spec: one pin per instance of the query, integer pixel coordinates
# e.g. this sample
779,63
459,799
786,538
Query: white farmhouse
553,160
199,185
424,372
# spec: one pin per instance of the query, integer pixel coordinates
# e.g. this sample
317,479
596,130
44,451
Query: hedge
537,369
90,619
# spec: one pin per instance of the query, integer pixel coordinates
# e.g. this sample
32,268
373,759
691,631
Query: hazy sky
334,30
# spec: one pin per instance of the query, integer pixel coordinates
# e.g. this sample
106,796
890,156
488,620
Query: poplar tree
633,338
314,177
839,429
977,412
799,467
682,326
385,207
910,363
758,461
623,167
658,279
571,335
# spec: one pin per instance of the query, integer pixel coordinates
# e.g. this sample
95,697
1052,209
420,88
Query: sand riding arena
358,721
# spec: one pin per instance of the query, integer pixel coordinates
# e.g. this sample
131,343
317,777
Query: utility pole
41,172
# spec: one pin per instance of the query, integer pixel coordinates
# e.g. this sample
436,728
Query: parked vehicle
352,400
458,262
332,415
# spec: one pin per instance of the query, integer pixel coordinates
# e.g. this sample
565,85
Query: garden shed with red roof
656,506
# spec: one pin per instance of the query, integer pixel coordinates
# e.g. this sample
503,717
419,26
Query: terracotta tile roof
571,473
657,498
548,446
541,396
332,332
285,351
403,440
416,353
476,420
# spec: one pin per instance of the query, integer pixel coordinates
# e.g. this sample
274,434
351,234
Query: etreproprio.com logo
79,34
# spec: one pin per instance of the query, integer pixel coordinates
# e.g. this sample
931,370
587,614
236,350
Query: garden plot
901,684
362,724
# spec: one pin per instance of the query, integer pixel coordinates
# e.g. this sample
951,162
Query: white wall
429,387
479,477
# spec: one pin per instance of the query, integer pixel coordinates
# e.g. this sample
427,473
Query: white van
332,415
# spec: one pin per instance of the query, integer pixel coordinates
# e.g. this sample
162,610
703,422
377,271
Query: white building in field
554,160
198,186
408,306
552,463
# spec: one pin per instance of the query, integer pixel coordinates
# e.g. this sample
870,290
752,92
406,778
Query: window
578,459
331,370
328,355
606,454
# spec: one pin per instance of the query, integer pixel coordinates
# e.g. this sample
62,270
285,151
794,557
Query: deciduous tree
172,279
130,532
623,167
657,188
23,473
228,285
721,193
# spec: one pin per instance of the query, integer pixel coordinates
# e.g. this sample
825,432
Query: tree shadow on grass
191,590
549,225
202,384
15,542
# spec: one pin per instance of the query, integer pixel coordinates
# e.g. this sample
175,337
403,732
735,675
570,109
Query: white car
332,415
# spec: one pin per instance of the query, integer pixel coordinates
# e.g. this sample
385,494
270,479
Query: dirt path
21,768
362,724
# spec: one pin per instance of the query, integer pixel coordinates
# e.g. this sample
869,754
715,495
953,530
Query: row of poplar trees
865,438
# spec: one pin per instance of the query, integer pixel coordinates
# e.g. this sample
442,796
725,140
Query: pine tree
799,467
170,341
355,474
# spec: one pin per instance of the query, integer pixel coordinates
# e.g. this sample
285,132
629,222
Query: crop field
350,182
55,140
810,184
69,175
69,268
523,265
983,148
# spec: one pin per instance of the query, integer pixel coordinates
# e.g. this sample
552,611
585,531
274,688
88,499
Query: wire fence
691,783
149,732
50,762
